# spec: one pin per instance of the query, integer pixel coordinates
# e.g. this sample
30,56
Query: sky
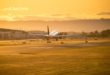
49,10
54,9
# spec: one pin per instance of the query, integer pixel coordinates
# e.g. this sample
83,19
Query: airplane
53,35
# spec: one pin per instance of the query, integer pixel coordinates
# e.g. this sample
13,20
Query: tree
105,33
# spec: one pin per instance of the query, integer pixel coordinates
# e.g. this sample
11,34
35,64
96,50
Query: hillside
64,25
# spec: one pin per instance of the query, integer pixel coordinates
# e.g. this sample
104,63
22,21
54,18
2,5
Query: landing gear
48,41
62,42
86,40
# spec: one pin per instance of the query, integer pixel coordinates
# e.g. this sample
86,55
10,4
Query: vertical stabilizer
48,31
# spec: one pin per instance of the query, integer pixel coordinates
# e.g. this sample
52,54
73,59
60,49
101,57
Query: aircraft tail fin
48,30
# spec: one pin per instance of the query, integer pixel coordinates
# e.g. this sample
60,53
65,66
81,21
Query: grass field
49,60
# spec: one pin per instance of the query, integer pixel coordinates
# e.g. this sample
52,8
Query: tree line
102,34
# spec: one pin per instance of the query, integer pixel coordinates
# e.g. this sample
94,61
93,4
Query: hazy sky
12,10
54,9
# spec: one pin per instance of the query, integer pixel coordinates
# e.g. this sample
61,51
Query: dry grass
32,60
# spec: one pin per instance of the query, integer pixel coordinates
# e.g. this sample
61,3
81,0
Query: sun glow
80,9
34,14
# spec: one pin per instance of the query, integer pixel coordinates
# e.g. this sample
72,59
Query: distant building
6,34
36,34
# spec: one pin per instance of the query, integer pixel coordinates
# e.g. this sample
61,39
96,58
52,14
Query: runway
12,48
